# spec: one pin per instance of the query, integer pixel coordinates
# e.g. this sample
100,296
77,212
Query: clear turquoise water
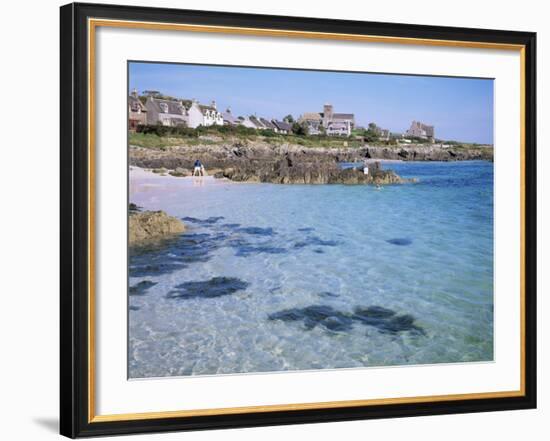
423,250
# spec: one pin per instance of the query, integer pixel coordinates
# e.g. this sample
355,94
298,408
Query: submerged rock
244,250
209,221
141,288
401,241
215,287
257,231
315,241
169,254
316,315
152,225
384,320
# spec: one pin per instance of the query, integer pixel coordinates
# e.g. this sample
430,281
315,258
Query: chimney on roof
182,107
213,104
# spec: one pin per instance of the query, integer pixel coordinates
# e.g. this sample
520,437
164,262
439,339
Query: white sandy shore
144,180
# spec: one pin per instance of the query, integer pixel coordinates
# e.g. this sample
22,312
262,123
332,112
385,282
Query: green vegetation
186,132
299,129
153,141
163,138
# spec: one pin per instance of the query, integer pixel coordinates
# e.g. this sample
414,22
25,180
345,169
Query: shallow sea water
293,277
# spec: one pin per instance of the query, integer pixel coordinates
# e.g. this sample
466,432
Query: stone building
165,112
137,113
421,130
318,122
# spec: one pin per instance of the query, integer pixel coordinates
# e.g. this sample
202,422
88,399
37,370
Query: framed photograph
274,220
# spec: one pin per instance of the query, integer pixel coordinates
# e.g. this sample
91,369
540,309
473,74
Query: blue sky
459,108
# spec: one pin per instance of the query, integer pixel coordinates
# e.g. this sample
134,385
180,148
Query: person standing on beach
197,171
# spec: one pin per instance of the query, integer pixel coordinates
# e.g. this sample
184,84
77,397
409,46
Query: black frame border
74,219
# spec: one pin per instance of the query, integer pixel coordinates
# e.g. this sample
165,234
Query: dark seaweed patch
384,320
215,287
257,231
247,250
133,308
375,312
328,294
401,323
167,256
306,230
155,269
315,241
197,247
401,241
231,225
209,221
141,288
316,315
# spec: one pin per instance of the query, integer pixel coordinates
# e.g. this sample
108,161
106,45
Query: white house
200,115
339,129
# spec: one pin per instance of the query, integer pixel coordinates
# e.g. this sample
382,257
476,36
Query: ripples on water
290,277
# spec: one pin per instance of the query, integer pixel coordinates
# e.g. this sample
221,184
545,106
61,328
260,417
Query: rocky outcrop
422,152
292,171
259,161
152,225
233,153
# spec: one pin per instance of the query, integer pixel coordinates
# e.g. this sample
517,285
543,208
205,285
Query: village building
165,112
137,113
339,129
201,115
268,125
421,130
247,122
317,122
282,127
229,119
257,123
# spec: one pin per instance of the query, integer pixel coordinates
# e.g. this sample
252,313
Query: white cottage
200,115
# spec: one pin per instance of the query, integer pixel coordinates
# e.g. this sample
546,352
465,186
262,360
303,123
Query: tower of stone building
327,114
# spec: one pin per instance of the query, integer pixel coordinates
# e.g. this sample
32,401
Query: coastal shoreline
233,151
306,266
260,161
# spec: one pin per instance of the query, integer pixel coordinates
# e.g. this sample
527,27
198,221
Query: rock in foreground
152,225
